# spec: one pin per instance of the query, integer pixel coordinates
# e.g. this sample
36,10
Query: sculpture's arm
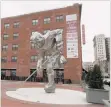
59,45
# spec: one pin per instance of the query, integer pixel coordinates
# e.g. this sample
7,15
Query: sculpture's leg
50,87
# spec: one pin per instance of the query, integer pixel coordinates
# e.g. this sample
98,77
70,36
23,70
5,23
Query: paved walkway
11,102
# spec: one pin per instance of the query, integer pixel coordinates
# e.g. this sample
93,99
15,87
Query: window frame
3,59
5,47
15,59
47,20
16,24
5,38
34,22
15,47
5,25
33,59
59,19
17,35
13,72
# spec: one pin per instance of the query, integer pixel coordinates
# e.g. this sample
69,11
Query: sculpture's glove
63,60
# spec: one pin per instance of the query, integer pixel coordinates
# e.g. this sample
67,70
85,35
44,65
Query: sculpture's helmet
37,39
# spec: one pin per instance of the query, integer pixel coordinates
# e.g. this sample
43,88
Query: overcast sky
95,16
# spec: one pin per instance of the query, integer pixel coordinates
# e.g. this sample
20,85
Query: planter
96,95
106,103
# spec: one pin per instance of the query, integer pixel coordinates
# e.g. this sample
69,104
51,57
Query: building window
4,59
13,73
59,18
16,25
33,46
5,37
15,35
7,25
45,31
33,58
5,47
34,22
15,47
46,20
14,59
3,72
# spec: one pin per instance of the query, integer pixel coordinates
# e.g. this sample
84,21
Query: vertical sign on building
83,35
71,36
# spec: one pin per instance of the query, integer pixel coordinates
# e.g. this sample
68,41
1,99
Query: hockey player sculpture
49,45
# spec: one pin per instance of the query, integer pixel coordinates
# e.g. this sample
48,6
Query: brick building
18,54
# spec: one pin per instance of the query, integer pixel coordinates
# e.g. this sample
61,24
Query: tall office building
99,47
102,52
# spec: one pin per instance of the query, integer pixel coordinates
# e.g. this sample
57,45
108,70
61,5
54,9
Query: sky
95,17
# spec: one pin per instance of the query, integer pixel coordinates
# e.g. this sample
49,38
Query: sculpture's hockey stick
42,65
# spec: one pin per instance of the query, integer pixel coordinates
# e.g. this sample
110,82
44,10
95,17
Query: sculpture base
38,95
